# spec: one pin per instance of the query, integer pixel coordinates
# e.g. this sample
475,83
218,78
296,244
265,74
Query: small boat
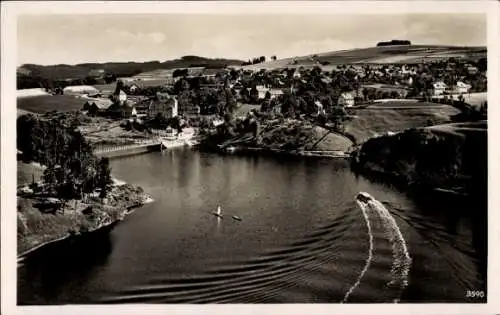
364,197
237,218
218,213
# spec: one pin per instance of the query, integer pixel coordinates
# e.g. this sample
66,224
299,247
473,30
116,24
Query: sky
72,39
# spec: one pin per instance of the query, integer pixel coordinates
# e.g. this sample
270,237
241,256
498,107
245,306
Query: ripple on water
330,248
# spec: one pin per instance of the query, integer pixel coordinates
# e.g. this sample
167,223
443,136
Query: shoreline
122,211
229,150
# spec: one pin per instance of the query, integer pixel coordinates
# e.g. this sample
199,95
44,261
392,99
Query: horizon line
234,58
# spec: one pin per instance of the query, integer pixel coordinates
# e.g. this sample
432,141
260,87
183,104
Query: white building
262,90
319,107
275,92
346,100
438,88
121,97
462,87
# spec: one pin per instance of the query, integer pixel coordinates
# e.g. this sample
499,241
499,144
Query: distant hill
395,54
119,69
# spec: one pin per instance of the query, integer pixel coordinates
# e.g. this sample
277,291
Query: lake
302,239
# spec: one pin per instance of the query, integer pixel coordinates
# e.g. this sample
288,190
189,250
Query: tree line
72,169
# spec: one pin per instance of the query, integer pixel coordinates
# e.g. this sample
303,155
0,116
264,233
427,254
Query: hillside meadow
373,122
47,103
376,55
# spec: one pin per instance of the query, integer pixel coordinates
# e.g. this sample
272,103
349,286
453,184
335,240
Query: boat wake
320,266
382,227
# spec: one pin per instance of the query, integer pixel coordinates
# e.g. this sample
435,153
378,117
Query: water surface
302,239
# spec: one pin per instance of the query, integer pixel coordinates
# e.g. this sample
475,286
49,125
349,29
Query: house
472,70
124,110
346,100
217,122
320,108
121,97
195,71
97,73
262,90
97,106
438,88
212,73
462,87
409,81
163,104
80,90
128,110
326,80
296,74
275,93
276,109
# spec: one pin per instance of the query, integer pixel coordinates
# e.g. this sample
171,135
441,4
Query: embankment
37,228
127,150
287,137
449,157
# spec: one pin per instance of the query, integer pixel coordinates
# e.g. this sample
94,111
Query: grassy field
377,55
48,103
474,99
406,104
371,122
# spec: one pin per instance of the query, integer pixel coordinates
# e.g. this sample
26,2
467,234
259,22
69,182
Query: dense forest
72,168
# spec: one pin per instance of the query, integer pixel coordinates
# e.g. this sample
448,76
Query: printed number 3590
475,294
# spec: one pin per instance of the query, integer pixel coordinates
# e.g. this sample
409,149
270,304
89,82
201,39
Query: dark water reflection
302,239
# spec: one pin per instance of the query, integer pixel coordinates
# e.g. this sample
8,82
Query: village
251,158
206,98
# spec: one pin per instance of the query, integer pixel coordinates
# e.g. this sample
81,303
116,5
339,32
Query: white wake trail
370,253
401,262
401,258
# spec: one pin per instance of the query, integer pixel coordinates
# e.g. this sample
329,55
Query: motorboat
364,197
237,218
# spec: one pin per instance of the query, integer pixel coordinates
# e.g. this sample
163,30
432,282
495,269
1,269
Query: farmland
48,103
80,71
377,55
372,122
